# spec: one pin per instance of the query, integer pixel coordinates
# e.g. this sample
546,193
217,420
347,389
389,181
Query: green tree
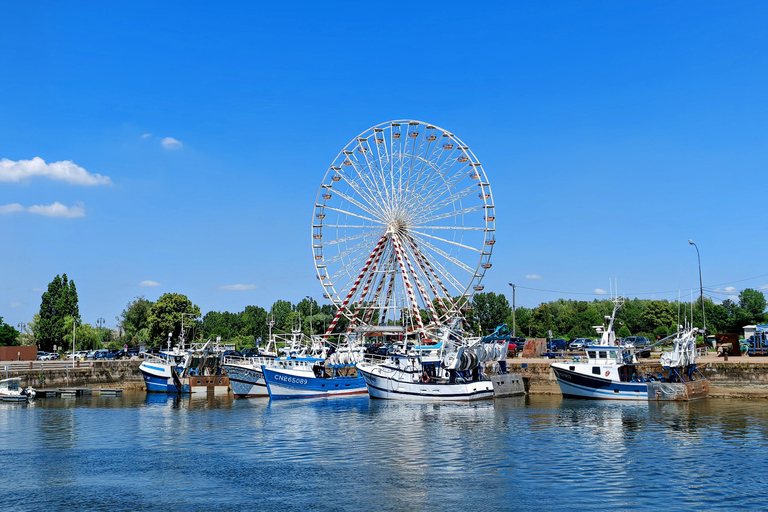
86,336
8,335
281,310
135,317
658,313
59,302
488,311
165,317
753,303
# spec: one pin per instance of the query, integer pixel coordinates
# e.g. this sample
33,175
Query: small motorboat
11,391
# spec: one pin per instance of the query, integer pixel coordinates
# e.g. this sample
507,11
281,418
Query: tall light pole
311,329
701,289
514,326
74,324
99,324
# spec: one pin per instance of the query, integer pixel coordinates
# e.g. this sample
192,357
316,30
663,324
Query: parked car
115,354
100,354
557,344
579,343
518,344
45,356
635,341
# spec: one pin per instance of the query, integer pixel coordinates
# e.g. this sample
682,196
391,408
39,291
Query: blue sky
195,137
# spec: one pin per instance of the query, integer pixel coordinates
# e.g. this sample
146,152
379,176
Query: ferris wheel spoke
367,235
358,187
347,212
455,261
357,203
437,195
373,193
374,164
451,242
357,248
448,228
454,213
439,205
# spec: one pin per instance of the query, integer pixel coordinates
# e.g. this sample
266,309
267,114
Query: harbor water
140,452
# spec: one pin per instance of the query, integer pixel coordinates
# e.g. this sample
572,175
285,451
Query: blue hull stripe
577,385
162,385
479,393
312,387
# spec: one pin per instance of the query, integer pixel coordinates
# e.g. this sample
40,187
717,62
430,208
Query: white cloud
11,208
52,210
146,135
600,291
764,287
58,210
237,287
149,283
171,143
532,276
15,304
60,171
734,298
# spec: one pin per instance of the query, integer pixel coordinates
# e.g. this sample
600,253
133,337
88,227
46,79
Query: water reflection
130,452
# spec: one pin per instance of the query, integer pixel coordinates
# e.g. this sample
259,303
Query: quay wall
739,377
60,374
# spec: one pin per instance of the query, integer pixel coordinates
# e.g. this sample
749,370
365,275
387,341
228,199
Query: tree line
153,324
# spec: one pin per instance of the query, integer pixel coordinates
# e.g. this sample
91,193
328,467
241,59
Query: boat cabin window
591,354
603,354
596,370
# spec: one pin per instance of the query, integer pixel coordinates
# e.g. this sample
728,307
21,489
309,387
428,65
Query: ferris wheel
403,222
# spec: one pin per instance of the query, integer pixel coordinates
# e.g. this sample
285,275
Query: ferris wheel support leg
424,295
376,250
407,281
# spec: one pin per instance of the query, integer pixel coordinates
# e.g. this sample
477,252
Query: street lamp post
311,328
514,324
99,324
701,289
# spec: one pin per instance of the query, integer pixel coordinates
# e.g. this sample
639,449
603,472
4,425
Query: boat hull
159,379
577,385
246,381
386,385
285,384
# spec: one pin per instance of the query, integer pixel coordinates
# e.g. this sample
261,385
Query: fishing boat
451,369
611,372
193,369
335,376
299,354
11,391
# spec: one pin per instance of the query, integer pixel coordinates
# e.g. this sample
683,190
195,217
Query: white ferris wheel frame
390,221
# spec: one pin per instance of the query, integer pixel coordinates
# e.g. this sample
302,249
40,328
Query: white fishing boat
193,369
12,391
453,369
610,372
300,354
336,376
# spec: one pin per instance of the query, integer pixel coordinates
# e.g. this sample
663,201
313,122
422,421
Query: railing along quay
71,374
